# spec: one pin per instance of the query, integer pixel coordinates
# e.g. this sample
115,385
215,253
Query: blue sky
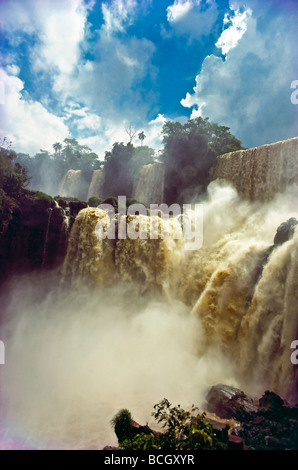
89,69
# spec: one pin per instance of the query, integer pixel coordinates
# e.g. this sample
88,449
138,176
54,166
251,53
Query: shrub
183,430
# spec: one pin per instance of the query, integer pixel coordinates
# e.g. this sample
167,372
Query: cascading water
96,184
260,173
233,284
70,184
75,184
149,184
46,238
136,320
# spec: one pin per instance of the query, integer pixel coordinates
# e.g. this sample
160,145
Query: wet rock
229,402
270,401
37,234
76,206
285,231
235,443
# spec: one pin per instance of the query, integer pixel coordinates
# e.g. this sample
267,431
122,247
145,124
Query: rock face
285,231
268,423
229,402
37,234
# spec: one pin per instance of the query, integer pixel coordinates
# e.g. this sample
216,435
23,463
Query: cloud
96,95
82,118
237,27
191,18
179,9
118,15
112,84
27,123
249,88
56,27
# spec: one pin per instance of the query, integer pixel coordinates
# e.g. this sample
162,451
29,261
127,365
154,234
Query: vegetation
13,180
189,153
121,165
47,169
272,426
182,430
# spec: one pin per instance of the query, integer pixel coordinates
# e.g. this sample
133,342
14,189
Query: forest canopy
189,152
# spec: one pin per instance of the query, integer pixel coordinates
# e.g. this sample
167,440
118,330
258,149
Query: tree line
189,152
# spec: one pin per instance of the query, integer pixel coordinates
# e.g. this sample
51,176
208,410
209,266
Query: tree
189,153
13,180
182,430
142,137
57,147
131,132
48,169
121,166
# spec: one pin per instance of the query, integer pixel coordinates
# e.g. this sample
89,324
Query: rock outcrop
268,423
37,234
229,402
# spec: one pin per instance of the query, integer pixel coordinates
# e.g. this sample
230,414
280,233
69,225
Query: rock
37,234
76,206
285,231
229,402
235,443
221,429
270,401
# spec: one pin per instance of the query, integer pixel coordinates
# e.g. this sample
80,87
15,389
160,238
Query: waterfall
241,287
96,184
74,185
46,239
149,184
262,172
138,319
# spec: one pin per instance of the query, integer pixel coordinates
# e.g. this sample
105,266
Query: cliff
261,172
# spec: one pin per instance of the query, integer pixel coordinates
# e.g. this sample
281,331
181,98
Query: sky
89,69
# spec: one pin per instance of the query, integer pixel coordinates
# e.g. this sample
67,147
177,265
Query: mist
77,353
74,359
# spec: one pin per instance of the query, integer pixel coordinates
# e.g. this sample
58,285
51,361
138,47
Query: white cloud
249,90
191,19
231,35
117,15
111,132
27,123
112,88
82,118
107,87
153,132
12,69
61,32
179,8
58,25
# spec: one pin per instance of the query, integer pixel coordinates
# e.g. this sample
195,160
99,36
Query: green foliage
189,153
94,201
273,426
141,441
47,169
121,165
182,430
40,195
13,179
121,423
